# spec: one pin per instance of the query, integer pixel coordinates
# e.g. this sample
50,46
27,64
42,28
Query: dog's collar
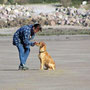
42,51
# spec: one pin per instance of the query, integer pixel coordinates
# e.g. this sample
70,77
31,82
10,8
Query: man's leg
21,54
26,53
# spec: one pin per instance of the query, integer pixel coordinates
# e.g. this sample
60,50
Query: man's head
37,28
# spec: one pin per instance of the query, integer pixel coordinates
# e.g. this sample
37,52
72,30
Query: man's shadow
8,69
18,70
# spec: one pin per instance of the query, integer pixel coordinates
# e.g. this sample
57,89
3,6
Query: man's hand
35,43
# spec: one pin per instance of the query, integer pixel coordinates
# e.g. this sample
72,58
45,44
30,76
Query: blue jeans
23,53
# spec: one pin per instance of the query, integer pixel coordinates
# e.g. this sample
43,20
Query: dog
45,59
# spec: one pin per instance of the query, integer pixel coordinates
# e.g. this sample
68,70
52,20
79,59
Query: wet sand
72,58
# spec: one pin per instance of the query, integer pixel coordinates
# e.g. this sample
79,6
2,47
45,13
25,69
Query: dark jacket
23,36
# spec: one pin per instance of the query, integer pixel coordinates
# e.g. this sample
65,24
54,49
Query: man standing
21,40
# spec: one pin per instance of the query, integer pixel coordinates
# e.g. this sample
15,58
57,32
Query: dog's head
40,44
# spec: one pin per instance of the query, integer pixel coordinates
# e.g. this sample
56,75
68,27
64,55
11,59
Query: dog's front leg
42,65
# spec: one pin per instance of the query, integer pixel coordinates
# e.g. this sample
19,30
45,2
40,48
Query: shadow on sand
18,70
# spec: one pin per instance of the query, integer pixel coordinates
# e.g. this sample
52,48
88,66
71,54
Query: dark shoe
20,67
23,67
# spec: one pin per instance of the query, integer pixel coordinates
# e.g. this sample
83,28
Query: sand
72,58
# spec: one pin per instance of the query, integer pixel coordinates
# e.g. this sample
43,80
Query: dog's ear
43,44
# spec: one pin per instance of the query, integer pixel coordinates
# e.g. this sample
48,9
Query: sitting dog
45,58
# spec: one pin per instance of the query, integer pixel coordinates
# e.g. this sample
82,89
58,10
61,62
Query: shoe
20,67
23,67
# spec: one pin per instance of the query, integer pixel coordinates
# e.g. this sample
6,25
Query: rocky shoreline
18,15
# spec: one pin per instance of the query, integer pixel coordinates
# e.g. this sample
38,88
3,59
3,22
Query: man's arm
26,37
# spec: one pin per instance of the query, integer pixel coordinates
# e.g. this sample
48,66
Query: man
21,40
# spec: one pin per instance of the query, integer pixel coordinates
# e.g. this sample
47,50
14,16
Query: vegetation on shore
64,2
48,32
64,32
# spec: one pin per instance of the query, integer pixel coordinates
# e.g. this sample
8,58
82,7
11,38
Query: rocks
18,15
73,16
52,23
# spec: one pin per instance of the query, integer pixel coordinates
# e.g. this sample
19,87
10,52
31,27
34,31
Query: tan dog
45,58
